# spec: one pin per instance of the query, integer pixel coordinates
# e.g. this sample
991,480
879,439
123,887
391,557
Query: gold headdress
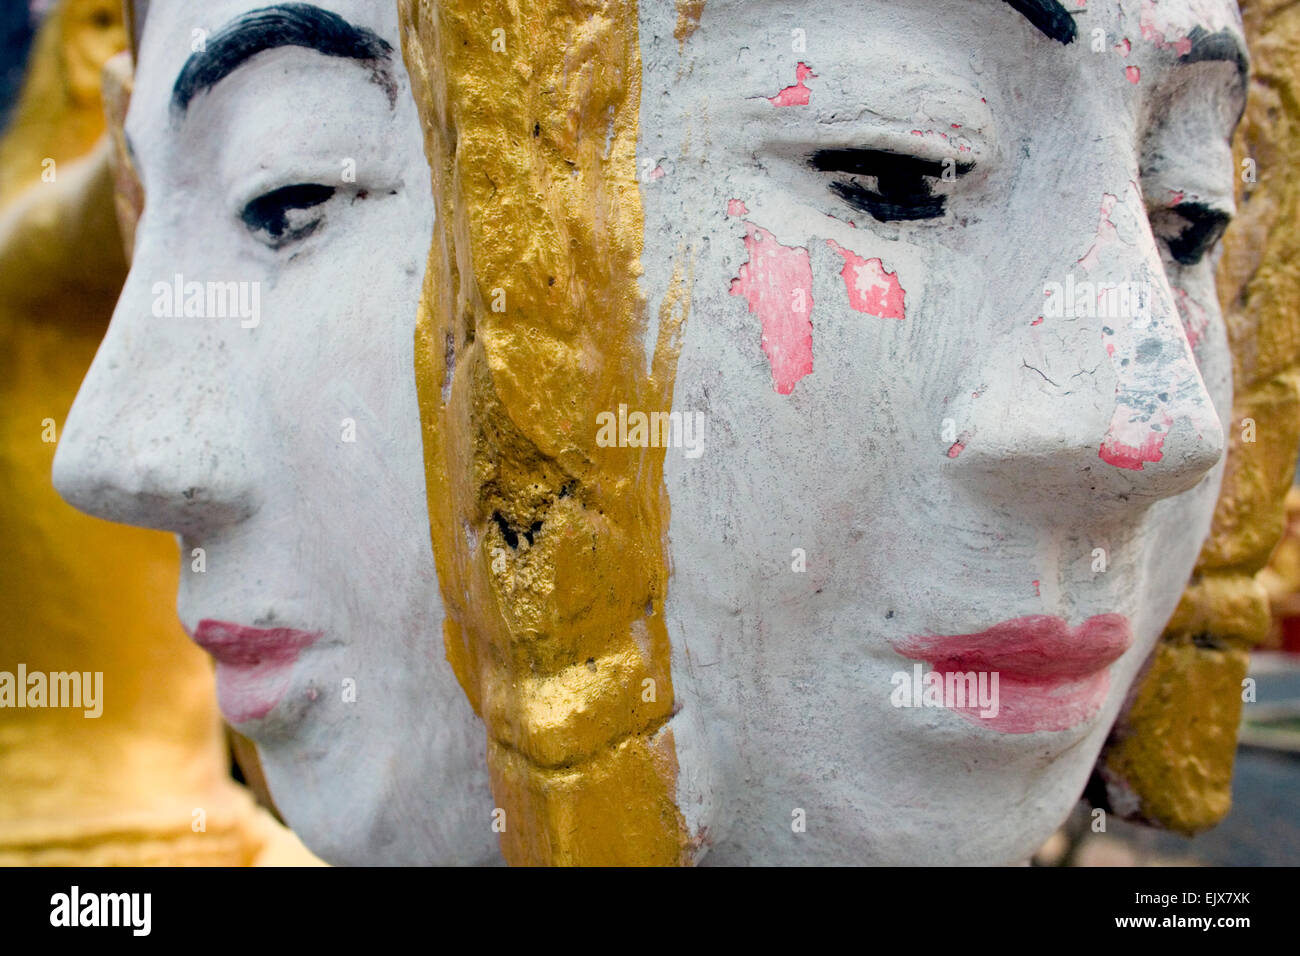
555,610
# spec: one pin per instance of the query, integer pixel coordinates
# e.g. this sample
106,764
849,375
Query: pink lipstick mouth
1043,674
254,664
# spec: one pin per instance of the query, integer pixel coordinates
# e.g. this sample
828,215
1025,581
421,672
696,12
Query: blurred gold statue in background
147,781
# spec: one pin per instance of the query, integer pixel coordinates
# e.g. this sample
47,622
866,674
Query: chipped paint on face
1039,427
1106,232
871,288
1134,74
1196,320
1158,30
961,145
688,20
797,95
1135,437
777,283
1145,404
1176,25
1140,423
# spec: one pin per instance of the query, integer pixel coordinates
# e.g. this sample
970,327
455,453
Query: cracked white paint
910,529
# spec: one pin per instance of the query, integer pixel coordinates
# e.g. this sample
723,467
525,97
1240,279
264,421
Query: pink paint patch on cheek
1133,439
870,287
1133,73
737,207
797,95
777,283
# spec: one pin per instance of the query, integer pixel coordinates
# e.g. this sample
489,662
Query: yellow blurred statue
136,772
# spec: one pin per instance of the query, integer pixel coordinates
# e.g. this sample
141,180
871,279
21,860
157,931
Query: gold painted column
550,549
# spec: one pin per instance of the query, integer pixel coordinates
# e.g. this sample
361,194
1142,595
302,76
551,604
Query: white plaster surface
231,436
784,678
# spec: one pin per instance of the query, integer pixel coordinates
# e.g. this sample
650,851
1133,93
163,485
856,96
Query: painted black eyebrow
1049,17
285,24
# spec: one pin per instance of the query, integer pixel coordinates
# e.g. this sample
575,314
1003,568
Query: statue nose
153,438
1132,425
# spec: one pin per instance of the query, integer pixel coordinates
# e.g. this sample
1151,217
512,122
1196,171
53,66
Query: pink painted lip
254,664
1051,676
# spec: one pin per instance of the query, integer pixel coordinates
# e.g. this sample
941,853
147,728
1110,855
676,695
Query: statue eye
284,215
891,187
1189,230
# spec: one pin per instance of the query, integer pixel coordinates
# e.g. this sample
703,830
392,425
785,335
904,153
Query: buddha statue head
825,405
254,395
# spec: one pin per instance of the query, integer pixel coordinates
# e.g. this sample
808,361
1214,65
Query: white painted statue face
915,456
280,438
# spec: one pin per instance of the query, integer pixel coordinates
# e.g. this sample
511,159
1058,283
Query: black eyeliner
898,207
1205,227
902,193
879,162
269,213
